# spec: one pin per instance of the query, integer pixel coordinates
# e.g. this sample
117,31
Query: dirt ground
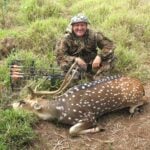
122,132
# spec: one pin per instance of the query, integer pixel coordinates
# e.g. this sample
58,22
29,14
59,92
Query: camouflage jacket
87,48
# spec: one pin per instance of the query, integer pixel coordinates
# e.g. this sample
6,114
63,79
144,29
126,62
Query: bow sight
20,73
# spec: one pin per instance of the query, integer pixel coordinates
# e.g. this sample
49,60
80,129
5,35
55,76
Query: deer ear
32,95
37,106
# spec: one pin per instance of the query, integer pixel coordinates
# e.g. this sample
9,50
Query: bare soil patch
123,132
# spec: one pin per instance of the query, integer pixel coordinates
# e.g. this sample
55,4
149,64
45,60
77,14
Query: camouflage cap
79,18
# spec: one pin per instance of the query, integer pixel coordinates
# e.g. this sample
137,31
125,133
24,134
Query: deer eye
37,106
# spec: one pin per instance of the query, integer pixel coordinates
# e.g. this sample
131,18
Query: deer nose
22,102
17,104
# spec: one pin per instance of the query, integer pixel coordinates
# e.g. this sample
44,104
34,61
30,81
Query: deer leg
134,107
91,130
83,128
137,107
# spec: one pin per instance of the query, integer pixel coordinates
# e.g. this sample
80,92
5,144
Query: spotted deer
81,105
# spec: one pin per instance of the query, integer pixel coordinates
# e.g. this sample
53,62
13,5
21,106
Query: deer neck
49,111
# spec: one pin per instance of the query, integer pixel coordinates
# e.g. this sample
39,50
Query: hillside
29,31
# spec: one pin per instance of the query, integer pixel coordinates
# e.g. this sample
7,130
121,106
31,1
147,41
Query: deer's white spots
84,102
69,118
80,102
61,118
116,102
63,100
89,105
76,119
66,94
64,114
88,91
88,85
77,89
107,85
106,108
60,108
83,87
73,96
74,110
70,91
100,91
77,104
103,87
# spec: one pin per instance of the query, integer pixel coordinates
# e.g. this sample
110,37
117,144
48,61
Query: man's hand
96,62
81,63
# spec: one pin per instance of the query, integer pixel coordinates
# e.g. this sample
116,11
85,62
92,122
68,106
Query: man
93,52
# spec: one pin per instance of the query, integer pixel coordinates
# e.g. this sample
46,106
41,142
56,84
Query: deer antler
68,78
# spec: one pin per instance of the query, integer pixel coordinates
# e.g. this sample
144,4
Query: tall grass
36,25
9,13
41,35
39,9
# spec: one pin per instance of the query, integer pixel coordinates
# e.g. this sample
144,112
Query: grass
36,25
15,129
39,9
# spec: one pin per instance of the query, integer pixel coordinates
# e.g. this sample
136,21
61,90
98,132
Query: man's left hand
96,63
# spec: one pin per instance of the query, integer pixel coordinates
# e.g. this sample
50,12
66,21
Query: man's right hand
81,63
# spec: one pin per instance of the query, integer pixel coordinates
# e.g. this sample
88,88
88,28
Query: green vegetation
15,129
35,26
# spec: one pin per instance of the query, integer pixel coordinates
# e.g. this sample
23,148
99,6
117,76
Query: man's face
79,28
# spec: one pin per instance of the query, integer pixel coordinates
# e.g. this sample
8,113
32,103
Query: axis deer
81,105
